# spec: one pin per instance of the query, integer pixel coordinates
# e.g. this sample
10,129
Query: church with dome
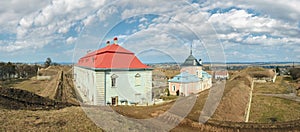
192,78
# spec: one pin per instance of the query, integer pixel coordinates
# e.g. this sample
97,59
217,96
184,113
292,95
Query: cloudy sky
157,31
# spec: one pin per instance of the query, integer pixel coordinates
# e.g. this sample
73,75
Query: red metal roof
111,57
221,73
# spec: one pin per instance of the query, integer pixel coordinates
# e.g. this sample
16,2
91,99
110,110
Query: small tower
115,40
192,65
107,43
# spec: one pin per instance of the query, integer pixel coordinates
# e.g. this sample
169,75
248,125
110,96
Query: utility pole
293,64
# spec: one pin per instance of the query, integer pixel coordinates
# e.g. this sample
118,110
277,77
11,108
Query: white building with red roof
113,75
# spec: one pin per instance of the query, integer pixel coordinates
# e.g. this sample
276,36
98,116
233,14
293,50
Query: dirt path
67,89
63,90
249,103
290,96
59,95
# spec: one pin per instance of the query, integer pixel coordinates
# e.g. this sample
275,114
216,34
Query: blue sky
231,31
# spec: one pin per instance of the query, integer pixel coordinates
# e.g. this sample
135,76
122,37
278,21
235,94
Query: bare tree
48,62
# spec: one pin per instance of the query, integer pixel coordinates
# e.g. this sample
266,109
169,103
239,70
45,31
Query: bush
295,73
171,97
168,91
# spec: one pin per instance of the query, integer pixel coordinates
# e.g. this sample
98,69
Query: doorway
114,100
177,92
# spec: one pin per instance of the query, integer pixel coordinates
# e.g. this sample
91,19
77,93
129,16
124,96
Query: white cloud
71,40
47,20
143,19
89,20
239,25
264,40
241,20
284,9
178,23
12,11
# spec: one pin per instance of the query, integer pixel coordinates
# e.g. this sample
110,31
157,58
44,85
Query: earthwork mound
11,98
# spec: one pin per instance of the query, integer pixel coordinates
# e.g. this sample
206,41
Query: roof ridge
111,56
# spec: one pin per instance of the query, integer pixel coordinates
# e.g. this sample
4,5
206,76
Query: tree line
17,70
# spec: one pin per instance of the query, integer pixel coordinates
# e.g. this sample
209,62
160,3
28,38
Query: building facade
219,75
113,75
192,79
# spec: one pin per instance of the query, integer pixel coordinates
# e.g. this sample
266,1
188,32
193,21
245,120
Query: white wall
85,82
126,88
96,85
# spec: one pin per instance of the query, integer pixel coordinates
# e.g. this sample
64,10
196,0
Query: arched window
137,79
114,80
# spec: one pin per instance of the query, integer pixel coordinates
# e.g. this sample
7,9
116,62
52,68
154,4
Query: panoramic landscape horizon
129,65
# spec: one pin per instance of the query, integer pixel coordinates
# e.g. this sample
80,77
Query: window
114,80
137,79
93,59
173,88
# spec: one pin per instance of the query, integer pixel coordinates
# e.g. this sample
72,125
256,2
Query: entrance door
177,92
114,100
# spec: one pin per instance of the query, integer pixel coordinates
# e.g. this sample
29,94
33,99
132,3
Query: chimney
107,43
200,61
115,40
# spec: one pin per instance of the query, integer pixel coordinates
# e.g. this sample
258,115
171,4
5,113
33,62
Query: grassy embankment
266,107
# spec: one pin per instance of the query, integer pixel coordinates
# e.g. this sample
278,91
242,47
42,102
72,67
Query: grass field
35,86
67,119
281,86
266,107
231,108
